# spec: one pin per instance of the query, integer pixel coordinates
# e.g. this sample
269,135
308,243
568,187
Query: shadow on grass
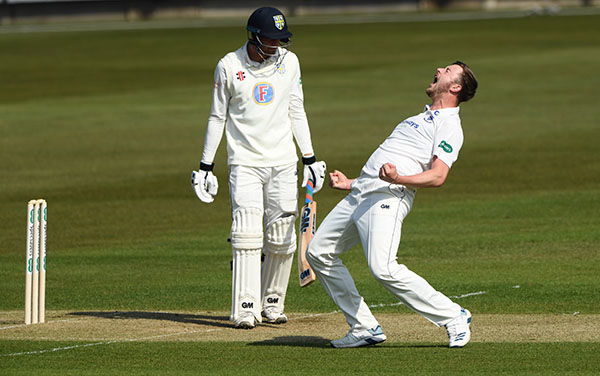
294,341
314,341
217,321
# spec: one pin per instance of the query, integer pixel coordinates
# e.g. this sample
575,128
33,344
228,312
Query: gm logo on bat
305,220
305,274
263,93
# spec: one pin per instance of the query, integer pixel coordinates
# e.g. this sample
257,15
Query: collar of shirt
442,111
256,64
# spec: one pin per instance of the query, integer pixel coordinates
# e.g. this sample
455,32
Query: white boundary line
182,333
400,17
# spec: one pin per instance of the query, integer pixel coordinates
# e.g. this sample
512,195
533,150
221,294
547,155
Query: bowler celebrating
418,154
258,102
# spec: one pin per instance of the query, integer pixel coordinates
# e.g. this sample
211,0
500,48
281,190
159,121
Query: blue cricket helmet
269,23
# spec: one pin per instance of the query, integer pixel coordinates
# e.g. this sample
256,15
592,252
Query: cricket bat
308,224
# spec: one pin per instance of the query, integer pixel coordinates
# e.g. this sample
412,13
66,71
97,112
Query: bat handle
309,191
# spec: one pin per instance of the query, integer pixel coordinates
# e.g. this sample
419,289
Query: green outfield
108,125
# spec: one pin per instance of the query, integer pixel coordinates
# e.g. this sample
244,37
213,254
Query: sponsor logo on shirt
409,123
279,22
445,147
430,118
240,75
263,93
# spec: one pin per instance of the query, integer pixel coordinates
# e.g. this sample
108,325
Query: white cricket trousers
373,213
264,203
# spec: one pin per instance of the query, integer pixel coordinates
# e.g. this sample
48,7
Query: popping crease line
108,342
381,305
188,332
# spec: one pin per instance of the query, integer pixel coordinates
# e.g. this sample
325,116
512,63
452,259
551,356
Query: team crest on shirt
263,93
281,69
279,22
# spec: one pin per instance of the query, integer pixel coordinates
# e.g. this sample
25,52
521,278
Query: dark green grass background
235,358
107,127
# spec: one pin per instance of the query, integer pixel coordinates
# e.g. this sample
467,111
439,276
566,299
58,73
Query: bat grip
309,191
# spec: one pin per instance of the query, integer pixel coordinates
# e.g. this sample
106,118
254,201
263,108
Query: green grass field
107,127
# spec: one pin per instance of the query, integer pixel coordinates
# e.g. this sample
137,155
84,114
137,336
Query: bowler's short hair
468,82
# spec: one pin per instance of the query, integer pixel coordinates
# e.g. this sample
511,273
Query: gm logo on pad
263,93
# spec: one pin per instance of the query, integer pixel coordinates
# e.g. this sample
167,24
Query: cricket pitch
302,329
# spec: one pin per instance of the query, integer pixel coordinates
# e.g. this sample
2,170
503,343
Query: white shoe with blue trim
459,333
359,338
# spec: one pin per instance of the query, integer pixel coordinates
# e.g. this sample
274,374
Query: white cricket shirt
261,108
415,141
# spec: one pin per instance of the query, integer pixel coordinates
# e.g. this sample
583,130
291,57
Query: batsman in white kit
418,154
258,101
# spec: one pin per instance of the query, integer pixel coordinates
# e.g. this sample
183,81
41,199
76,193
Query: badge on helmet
279,21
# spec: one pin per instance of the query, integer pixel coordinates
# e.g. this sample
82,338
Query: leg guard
246,241
279,251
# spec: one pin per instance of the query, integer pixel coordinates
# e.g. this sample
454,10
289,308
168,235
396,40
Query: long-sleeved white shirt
261,108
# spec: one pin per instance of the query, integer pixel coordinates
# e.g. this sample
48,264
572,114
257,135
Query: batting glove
315,171
205,183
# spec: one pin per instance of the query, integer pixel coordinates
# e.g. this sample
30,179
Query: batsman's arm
300,128
217,116
204,182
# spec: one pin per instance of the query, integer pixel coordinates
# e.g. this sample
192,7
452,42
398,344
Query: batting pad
274,278
246,228
281,236
246,283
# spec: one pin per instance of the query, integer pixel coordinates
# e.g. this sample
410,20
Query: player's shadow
208,320
313,341
294,341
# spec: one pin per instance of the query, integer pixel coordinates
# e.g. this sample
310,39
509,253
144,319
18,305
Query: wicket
35,267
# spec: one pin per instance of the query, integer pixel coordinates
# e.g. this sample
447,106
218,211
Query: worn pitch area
302,327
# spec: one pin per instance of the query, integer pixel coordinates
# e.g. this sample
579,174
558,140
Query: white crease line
109,342
469,294
387,305
317,315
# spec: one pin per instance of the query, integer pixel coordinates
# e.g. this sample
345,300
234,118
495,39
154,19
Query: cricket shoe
359,338
459,333
274,316
245,321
